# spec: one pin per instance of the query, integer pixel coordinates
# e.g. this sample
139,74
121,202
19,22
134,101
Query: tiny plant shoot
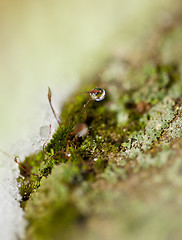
80,130
97,94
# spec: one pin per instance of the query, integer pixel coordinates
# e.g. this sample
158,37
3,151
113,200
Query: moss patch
129,162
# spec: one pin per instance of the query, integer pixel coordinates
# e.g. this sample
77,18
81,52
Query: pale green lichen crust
123,179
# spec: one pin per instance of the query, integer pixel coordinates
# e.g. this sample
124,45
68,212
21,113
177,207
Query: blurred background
56,43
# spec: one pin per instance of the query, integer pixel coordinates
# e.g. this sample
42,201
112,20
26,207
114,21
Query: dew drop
97,94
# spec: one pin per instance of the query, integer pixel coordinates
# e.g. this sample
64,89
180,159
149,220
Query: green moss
143,127
157,83
133,136
55,208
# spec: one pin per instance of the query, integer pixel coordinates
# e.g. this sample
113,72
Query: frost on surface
11,215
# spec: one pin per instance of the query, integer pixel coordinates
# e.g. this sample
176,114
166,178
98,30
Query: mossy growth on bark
123,179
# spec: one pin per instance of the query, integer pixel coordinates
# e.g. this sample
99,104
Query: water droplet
97,94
